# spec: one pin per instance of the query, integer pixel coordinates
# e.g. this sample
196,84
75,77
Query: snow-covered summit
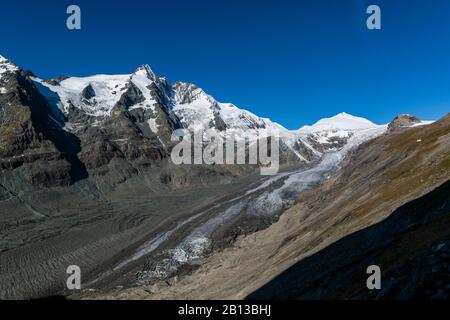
330,134
187,93
341,121
97,95
189,106
198,110
146,72
104,92
6,66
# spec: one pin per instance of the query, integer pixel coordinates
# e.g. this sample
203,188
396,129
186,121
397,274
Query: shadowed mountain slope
411,247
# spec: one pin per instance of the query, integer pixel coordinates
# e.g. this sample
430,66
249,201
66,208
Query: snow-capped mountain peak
145,71
332,133
187,93
189,106
341,121
6,65
97,95
197,110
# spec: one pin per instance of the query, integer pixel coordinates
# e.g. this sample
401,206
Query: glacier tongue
268,199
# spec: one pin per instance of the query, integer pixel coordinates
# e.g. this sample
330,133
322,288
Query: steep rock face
88,92
131,97
32,137
122,121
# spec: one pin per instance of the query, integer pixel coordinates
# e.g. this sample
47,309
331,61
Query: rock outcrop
33,144
403,121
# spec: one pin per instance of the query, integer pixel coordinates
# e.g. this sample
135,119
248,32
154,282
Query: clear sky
289,60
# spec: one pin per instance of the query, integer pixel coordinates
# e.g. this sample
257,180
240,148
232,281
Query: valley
388,205
87,178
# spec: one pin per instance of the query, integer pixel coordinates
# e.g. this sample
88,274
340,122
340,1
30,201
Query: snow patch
422,123
153,125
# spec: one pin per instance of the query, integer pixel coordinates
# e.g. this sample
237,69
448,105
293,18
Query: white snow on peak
108,90
197,110
97,95
143,78
331,132
188,93
146,72
342,121
6,66
235,117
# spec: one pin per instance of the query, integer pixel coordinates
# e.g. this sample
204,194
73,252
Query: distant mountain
119,123
342,121
143,89
6,68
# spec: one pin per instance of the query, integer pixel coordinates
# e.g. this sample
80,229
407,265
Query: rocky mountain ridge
119,124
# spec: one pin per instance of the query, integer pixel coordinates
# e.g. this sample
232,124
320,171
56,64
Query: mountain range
86,178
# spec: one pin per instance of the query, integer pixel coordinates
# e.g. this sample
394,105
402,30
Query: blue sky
290,60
